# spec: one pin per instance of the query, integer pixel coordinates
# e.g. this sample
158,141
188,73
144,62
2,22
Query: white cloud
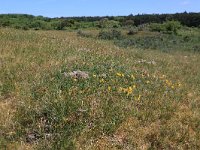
185,2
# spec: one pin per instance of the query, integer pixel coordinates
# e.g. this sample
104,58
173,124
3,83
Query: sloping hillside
130,98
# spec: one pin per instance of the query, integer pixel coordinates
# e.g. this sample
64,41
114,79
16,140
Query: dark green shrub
105,23
40,25
186,38
128,23
172,26
167,27
132,32
25,27
110,35
196,48
5,23
157,27
163,42
17,26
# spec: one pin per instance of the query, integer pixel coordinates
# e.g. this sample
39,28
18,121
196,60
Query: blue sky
58,8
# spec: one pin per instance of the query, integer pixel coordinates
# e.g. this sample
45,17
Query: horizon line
96,15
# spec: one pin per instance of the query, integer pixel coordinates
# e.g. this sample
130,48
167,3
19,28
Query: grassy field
133,98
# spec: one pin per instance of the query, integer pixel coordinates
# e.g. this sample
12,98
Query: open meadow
130,97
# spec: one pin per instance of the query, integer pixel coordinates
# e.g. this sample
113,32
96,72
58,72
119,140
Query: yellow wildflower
163,76
169,83
147,82
109,88
138,98
120,89
179,84
102,81
132,76
129,90
120,74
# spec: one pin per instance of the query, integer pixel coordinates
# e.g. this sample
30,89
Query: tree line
25,21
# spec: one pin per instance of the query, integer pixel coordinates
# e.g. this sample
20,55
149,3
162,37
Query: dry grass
31,67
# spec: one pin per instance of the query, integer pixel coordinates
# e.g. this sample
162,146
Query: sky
66,8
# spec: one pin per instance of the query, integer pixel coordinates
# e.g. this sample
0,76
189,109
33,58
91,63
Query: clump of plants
163,42
166,27
143,27
110,35
132,32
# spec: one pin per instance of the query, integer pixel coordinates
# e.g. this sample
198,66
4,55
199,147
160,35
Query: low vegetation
166,27
110,35
130,98
166,43
167,37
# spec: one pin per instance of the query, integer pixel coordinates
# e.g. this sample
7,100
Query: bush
157,27
186,38
129,23
132,32
106,23
25,27
196,48
143,27
163,42
172,26
167,27
40,25
110,35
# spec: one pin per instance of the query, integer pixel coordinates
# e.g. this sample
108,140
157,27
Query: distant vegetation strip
24,21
